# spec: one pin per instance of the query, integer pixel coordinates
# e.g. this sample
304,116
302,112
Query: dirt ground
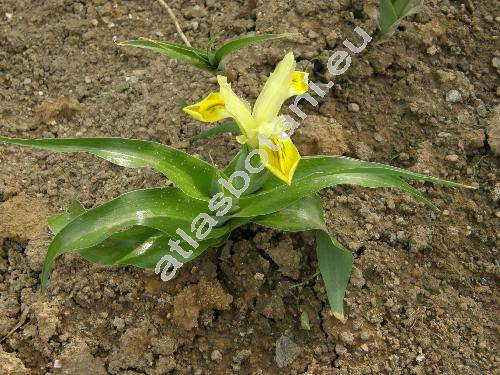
422,297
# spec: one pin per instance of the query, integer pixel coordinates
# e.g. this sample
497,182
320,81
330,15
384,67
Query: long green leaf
186,54
137,246
188,173
316,173
304,214
240,43
335,264
58,222
334,260
163,209
388,17
225,127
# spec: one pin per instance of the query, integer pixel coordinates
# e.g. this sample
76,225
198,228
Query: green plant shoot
206,204
392,12
205,59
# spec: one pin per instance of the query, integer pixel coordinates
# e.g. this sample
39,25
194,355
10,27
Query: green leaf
392,13
388,17
189,55
226,127
240,43
58,222
163,209
319,172
335,264
399,6
188,173
138,246
335,261
304,214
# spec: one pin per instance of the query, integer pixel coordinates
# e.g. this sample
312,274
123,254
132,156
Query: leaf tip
339,315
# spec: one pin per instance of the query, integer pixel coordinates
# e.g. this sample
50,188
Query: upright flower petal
299,84
239,110
282,157
275,91
210,109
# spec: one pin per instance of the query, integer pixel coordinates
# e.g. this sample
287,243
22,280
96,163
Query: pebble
57,364
286,351
27,81
312,34
87,79
196,12
453,158
216,355
340,349
496,62
453,96
8,16
420,358
353,107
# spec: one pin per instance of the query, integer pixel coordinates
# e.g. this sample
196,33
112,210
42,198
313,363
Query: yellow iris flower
261,128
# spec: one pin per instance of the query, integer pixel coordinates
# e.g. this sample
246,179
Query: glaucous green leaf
138,246
163,209
318,172
59,221
189,55
240,43
335,261
225,127
303,214
335,264
392,13
193,176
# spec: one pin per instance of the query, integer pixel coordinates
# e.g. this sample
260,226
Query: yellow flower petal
275,91
299,84
210,109
282,157
239,110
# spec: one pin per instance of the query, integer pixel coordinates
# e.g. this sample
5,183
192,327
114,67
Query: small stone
286,351
464,64
353,107
159,34
453,96
27,81
196,12
312,34
8,16
496,62
258,276
87,80
432,50
365,348
340,349
94,22
420,358
119,323
216,356
57,364
452,158
347,338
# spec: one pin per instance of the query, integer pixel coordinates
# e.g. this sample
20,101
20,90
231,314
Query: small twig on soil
176,23
22,320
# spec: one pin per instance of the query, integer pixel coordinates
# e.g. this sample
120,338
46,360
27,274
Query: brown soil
422,297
